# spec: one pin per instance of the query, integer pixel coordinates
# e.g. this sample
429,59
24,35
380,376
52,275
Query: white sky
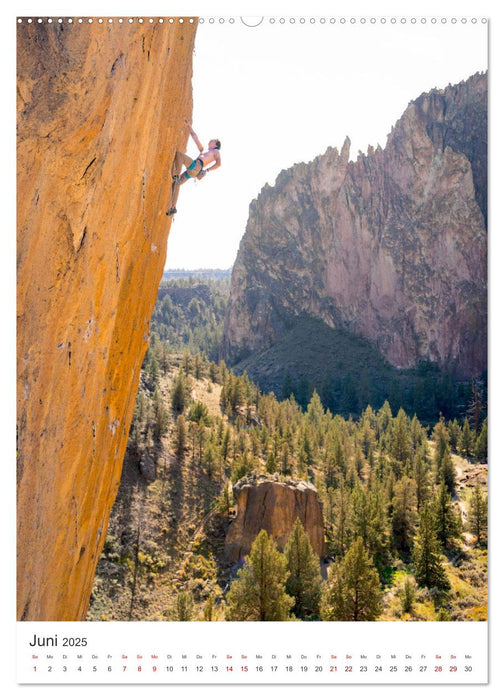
277,94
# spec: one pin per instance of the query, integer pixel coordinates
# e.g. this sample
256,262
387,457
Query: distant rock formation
392,247
265,503
100,111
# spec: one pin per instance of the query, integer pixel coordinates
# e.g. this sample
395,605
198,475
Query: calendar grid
325,653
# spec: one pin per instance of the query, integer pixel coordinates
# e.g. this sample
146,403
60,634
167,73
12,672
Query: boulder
266,503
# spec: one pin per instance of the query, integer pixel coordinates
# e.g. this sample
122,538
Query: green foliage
478,520
209,610
304,581
199,412
441,441
259,591
400,447
446,473
179,394
429,571
369,521
184,607
407,595
404,513
447,516
375,472
353,591
466,440
422,479
481,447
271,465
189,314
443,459
161,418
180,435
348,373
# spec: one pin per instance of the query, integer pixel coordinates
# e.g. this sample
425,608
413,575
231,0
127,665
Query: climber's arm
194,135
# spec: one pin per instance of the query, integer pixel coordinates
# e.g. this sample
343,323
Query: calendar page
252,396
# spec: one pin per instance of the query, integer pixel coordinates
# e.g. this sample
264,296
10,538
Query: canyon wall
100,109
392,247
264,503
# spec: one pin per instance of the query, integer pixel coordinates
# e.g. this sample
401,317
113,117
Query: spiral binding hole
272,20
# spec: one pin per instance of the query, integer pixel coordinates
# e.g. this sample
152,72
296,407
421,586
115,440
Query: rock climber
197,168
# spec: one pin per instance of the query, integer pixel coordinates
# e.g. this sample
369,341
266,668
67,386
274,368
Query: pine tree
315,410
448,524
454,433
353,591
225,443
379,530
304,580
481,448
407,595
178,394
359,462
187,363
404,513
476,404
161,419
271,465
441,441
401,441
446,472
339,455
421,476
285,459
384,418
478,520
208,611
367,439
418,434
151,369
210,459
184,606
198,412
466,440
201,439
198,366
427,553
259,591
213,372
180,436
342,524
360,513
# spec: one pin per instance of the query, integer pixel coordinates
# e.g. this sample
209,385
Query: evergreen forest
404,500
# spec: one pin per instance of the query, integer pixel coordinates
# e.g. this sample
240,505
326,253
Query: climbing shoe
171,211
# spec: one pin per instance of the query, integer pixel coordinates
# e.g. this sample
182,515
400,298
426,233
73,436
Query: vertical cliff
392,246
99,118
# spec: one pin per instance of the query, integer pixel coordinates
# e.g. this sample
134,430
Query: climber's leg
180,160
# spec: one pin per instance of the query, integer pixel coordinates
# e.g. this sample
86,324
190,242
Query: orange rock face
274,506
100,111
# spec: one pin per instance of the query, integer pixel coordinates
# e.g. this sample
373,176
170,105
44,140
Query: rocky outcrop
392,247
264,503
100,110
